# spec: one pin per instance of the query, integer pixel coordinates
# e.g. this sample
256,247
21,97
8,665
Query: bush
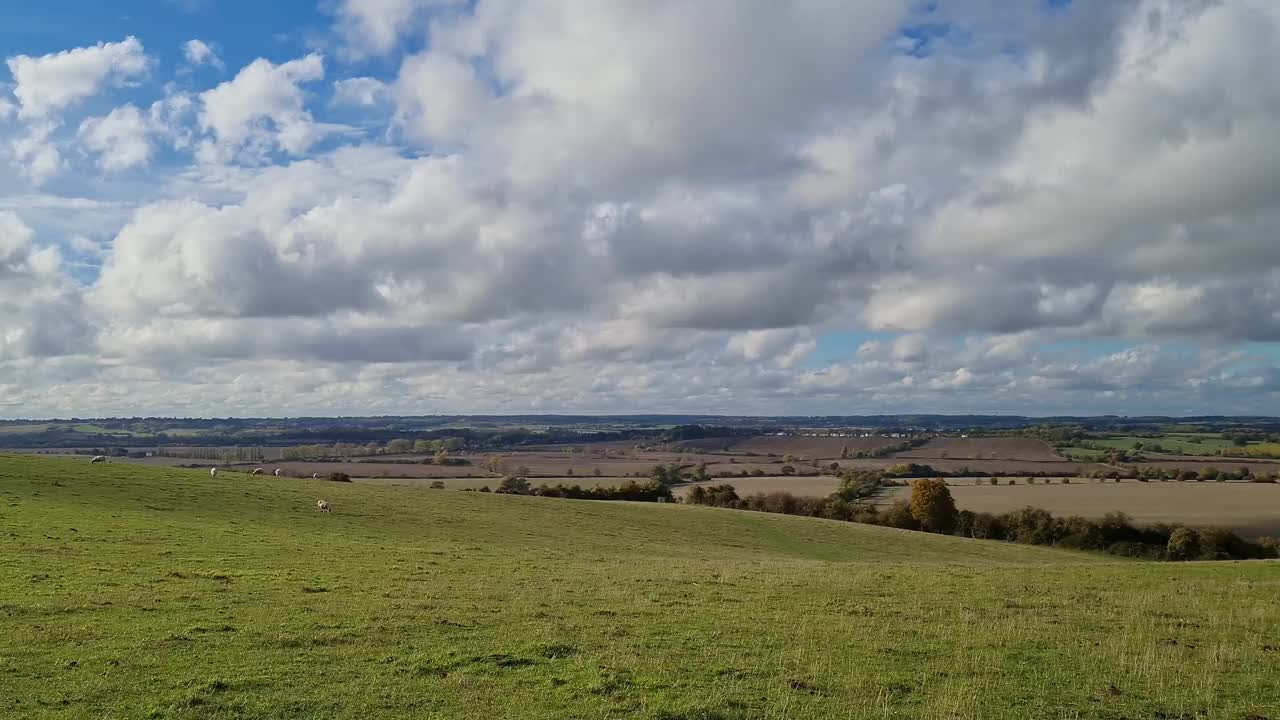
1269,548
514,485
338,477
1184,544
788,470
437,485
899,515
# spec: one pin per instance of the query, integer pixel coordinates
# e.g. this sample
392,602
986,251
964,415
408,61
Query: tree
1184,544
422,446
700,473
441,457
932,506
399,445
596,471
788,469
1209,473
844,452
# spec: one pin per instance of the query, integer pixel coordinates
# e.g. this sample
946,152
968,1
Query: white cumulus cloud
53,82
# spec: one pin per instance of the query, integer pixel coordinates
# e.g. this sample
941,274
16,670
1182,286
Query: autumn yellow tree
932,506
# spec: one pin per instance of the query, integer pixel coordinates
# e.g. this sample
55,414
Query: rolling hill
130,591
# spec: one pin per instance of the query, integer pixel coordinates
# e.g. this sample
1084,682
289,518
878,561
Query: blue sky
570,206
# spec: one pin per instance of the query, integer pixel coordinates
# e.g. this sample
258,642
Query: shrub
1184,544
899,515
1269,547
338,477
437,485
1262,479
993,481
788,469
514,485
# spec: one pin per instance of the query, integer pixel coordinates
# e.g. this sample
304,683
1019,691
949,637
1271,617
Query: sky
766,207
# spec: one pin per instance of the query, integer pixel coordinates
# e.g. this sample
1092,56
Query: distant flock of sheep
321,505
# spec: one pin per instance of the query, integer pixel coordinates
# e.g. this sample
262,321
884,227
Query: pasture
1175,444
1251,509
129,591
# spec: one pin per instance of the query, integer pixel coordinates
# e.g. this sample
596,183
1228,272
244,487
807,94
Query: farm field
984,448
369,469
809,486
128,591
1177,444
1251,509
811,447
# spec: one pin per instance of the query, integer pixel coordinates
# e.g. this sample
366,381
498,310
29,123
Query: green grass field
1176,444
139,592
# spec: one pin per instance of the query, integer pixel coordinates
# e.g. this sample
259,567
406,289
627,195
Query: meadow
131,592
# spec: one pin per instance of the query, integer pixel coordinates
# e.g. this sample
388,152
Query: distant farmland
810,486
798,445
987,448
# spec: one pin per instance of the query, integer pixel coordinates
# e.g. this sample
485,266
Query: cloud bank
738,206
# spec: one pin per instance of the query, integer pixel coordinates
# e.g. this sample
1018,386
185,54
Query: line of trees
219,454
932,509
631,490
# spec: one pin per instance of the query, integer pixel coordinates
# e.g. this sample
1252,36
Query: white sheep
277,472
213,472
324,506
315,476
98,459
256,471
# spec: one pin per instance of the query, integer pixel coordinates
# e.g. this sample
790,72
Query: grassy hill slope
128,591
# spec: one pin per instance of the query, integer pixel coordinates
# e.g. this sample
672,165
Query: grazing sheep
256,471
98,459
213,472
277,472
324,506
